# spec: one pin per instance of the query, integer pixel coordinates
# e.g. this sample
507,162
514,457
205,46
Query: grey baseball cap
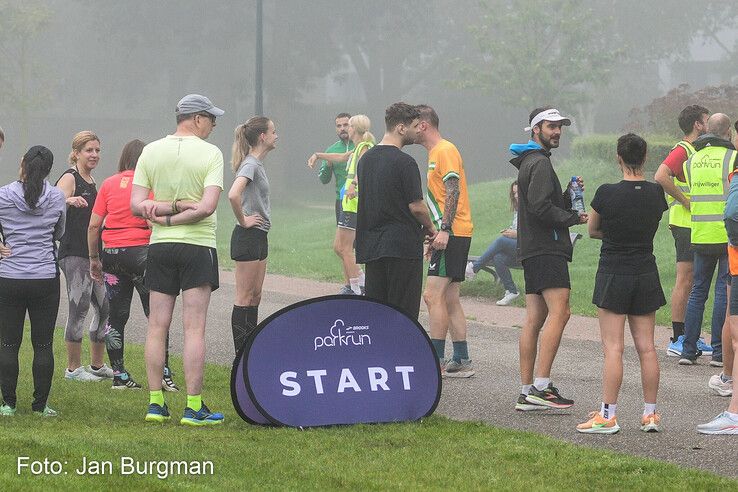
194,103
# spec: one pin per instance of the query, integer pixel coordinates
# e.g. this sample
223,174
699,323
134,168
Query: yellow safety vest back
352,204
678,214
707,172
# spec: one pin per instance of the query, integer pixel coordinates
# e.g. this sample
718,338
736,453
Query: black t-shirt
389,180
630,212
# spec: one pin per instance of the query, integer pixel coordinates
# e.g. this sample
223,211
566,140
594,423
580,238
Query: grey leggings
83,292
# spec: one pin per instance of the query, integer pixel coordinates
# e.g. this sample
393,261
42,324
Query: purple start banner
336,360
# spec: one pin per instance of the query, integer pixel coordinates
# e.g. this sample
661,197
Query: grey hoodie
30,233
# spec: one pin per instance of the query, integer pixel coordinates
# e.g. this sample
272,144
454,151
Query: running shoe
470,273
549,397
6,410
508,298
720,386
202,417
362,288
104,372
157,413
167,383
124,381
675,347
703,347
524,405
651,423
722,424
716,363
346,291
687,361
80,374
597,424
47,412
462,369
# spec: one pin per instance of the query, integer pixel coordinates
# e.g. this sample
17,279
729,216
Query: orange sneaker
597,424
651,423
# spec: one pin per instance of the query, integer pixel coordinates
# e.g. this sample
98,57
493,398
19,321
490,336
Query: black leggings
40,298
124,271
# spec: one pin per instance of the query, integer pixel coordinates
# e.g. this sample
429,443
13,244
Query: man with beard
328,170
544,247
670,175
392,216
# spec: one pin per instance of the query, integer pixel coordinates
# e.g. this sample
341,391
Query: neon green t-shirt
180,168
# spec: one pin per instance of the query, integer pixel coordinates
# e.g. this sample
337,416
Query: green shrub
603,147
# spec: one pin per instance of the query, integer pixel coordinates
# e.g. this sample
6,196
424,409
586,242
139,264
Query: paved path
684,399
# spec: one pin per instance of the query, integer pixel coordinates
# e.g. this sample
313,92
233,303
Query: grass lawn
101,424
301,238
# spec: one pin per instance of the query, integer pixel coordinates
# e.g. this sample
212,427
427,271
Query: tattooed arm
449,212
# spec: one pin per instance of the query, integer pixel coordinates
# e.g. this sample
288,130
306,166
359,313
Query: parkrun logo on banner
311,364
341,336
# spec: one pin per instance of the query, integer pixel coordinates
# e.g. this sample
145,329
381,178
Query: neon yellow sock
156,397
194,402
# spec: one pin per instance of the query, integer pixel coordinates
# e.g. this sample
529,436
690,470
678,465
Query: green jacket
338,169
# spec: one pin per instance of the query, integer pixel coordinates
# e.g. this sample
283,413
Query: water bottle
577,195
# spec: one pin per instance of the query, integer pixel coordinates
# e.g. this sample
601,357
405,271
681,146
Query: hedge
603,147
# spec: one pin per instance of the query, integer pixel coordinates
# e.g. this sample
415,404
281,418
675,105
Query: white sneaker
509,298
719,386
470,273
80,374
104,372
722,424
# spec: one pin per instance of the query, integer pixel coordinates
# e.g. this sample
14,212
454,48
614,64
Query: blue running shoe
675,347
157,413
202,417
703,347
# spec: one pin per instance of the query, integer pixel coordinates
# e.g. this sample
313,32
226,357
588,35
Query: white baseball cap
548,115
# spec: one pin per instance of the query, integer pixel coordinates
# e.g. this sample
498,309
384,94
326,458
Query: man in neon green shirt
185,174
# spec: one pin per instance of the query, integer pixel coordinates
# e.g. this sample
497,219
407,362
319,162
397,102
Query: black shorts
682,243
347,220
451,262
338,209
249,244
628,294
545,272
171,267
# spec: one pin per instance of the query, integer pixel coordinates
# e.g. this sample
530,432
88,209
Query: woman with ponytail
344,243
80,191
249,197
32,217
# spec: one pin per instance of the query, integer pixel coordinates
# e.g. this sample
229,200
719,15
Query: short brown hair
428,114
130,154
400,113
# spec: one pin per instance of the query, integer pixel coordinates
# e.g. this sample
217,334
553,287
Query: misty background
119,67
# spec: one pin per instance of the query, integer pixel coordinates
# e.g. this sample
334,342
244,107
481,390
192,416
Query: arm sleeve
101,202
675,162
326,173
596,202
214,177
412,189
246,171
540,191
140,175
62,222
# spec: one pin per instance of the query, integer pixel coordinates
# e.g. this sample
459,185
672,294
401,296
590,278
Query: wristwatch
446,227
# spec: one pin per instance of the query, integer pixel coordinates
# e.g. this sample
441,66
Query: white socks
525,389
362,278
354,283
649,408
541,383
607,410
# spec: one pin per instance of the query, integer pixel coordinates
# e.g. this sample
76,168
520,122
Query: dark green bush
603,147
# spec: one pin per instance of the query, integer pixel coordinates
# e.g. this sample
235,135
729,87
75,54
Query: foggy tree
532,55
24,84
